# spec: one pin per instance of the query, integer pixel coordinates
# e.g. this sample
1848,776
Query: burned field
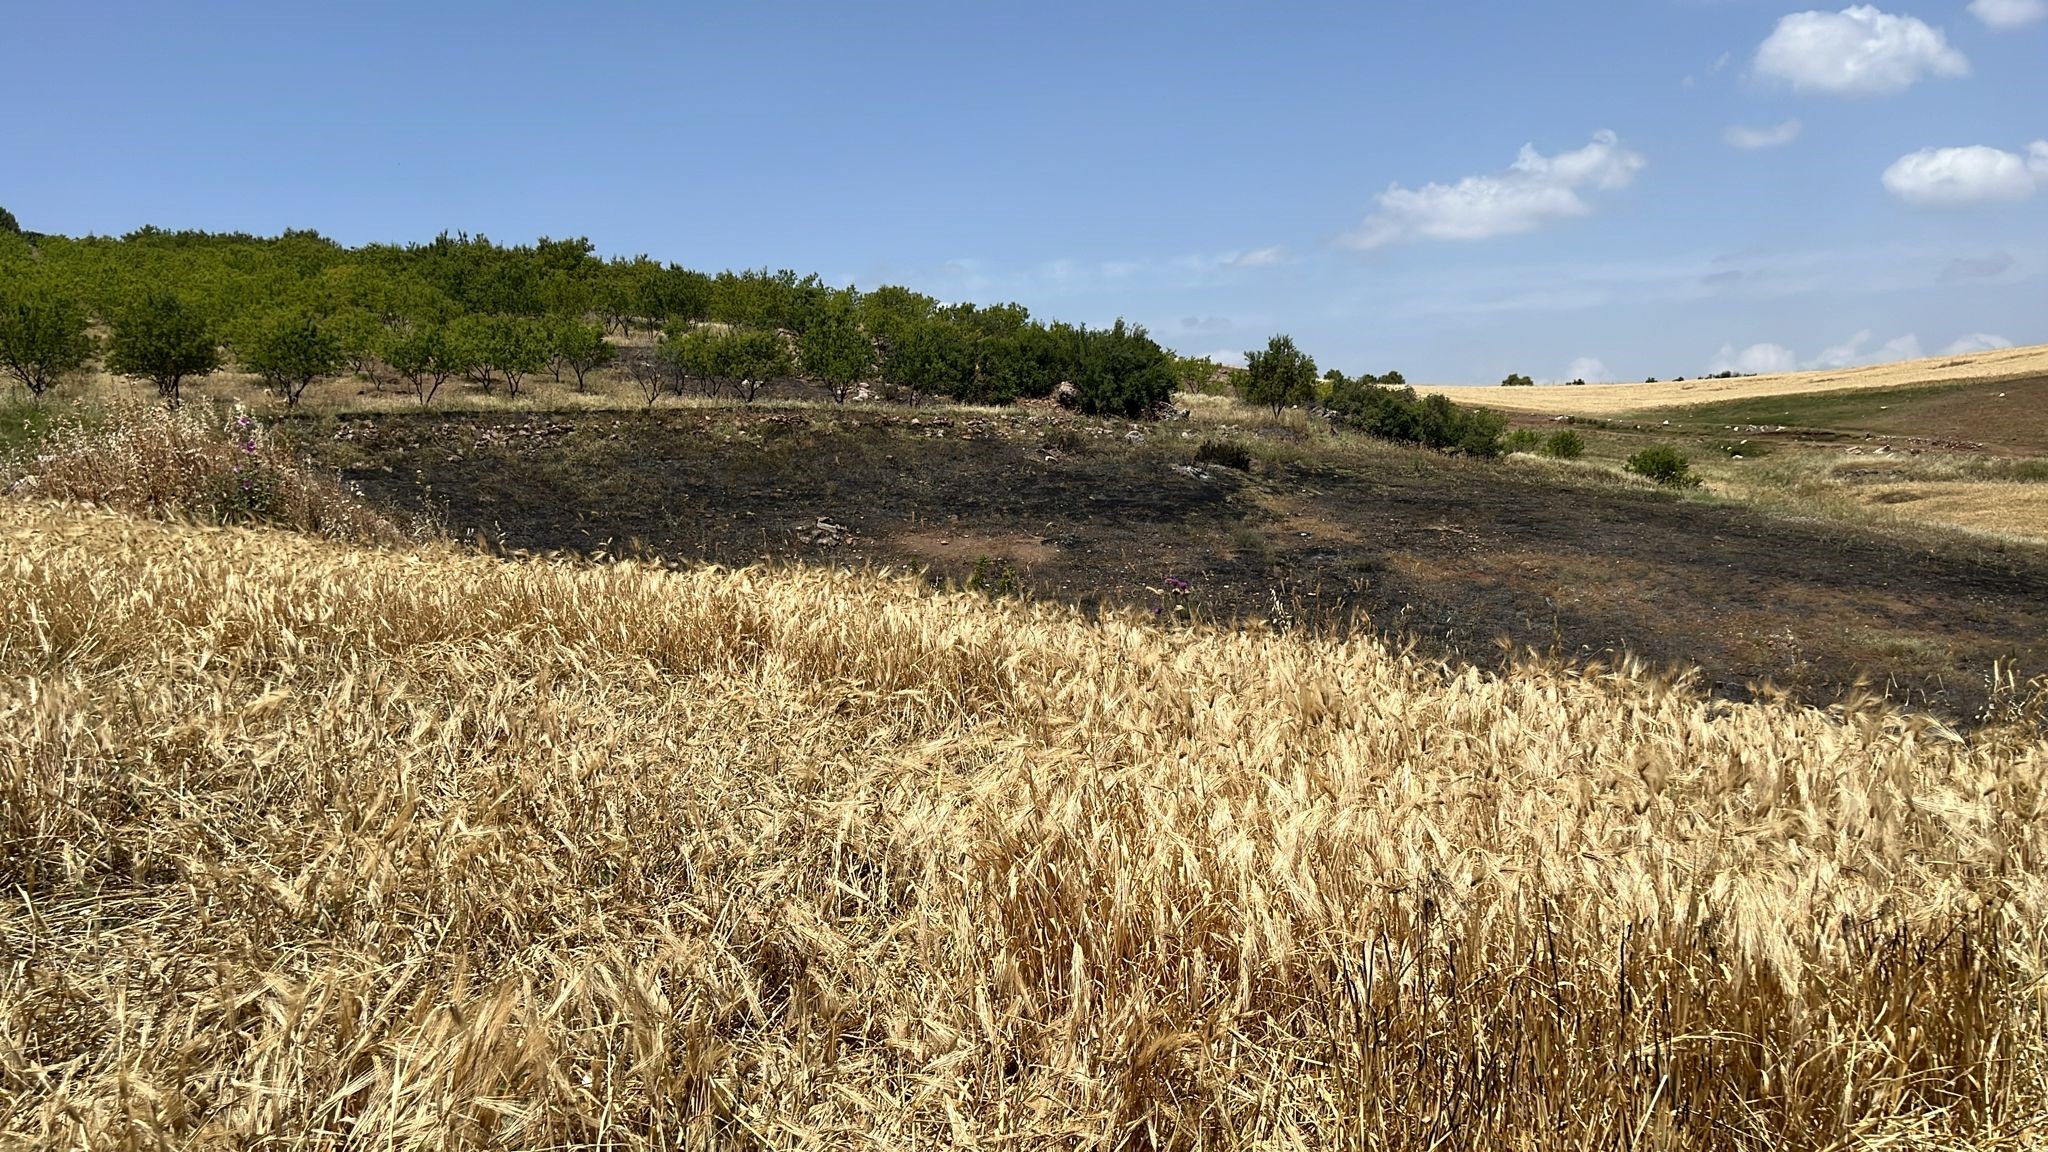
1469,559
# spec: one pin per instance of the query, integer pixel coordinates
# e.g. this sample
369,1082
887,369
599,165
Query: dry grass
306,846
1616,399
1993,498
2018,511
214,465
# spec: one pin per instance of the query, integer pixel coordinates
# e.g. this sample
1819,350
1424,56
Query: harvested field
310,846
1618,399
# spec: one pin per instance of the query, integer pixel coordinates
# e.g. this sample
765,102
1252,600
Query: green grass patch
1845,410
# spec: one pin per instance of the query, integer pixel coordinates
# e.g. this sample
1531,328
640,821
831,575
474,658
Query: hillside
1617,399
314,846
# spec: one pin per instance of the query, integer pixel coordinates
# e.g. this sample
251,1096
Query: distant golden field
306,844
1615,399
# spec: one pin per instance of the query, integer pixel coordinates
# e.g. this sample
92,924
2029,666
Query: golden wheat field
1616,399
306,844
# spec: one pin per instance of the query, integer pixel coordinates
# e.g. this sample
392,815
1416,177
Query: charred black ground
1467,558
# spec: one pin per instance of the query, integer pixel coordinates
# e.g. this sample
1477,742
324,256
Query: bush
1564,445
1521,440
1122,372
1224,454
1517,380
1432,421
1664,464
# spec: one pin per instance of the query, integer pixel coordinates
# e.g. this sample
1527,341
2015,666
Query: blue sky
1613,188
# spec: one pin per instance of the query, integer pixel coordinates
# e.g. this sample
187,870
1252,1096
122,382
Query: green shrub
994,578
1224,454
1521,440
1122,372
1664,464
1517,380
1564,444
1433,421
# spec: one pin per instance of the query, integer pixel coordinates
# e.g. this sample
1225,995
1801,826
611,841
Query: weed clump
1225,454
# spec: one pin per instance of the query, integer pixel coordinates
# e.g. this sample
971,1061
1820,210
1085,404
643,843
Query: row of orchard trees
1281,375
299,307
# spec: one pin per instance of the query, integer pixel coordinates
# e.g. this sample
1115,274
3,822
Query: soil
1467,559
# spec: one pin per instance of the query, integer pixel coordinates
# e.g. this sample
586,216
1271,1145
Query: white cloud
1844,354
1260,258
1854,352
1976,342
2009,13
1590,369
1751,139
1534,191
1757,359
1857,50
1951,177
1766,359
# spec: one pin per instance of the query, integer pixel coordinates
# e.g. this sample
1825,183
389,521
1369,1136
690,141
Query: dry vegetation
308,845
213,465
1616,399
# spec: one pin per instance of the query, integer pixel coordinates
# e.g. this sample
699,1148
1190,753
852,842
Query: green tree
1195,373
498,348
757,356
360,335
1278,375
890,312
1517,380
742,359
835,350
423,357
164,340
520,346
43,334
290,351
8,224
578,347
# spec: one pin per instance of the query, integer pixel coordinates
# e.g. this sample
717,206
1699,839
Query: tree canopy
163,339
44,334
1278,375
